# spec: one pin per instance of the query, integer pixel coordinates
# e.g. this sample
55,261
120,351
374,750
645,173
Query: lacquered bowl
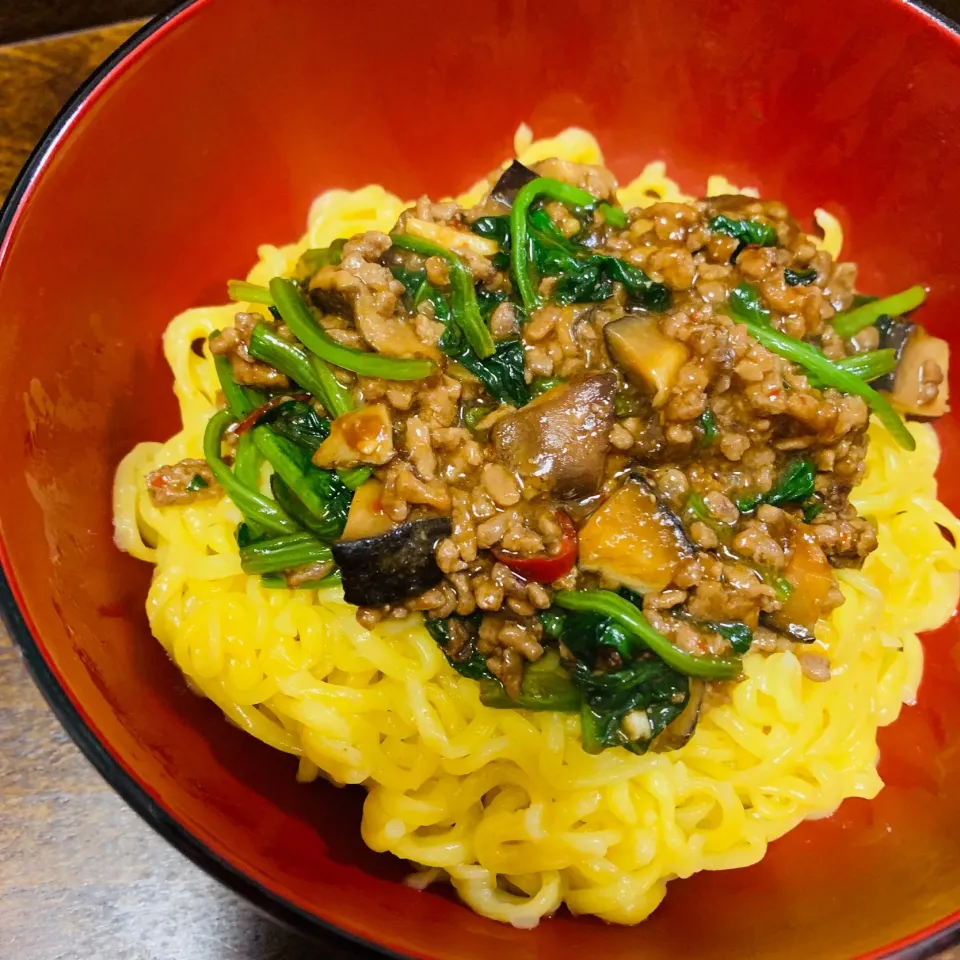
210,132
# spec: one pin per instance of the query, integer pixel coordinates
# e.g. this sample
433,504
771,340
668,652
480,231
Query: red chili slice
254,417
543,567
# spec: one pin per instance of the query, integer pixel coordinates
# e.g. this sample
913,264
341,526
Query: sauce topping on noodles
614,448
642,466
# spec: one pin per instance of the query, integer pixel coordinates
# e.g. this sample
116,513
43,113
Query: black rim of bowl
921,944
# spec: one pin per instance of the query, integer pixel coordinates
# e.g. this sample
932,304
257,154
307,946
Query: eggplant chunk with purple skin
393,566
633,540
561,438
511,180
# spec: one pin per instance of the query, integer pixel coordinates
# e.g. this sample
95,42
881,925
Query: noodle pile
506,803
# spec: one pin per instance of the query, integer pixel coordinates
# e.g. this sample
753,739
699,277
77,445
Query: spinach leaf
313,259
585,632
635,598
623,608
412,280
639,287
248,534
489,300
590,279
463,294
501,374
799,278
329,489
420,289
197,482
583,276
708,424
441,306
587,277
299,423
541,221
795,482
553,253
327,494
739,634
749,503
472,416
539,690
813,508
496,228
746,304
542,384
646,685
746,231
474,665
553,621
585,282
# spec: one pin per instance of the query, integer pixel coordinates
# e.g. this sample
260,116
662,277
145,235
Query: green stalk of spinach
646,685
754,232
849,324
502,373
584,275
641,635
320,493
746,306
466,312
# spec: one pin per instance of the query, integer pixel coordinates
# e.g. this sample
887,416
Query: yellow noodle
832,232
506,804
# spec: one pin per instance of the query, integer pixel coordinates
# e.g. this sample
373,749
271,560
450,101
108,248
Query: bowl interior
214,137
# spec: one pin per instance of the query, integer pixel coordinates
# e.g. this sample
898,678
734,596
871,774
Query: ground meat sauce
662,452
188,481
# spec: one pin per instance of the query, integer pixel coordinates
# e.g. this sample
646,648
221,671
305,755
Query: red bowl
210,132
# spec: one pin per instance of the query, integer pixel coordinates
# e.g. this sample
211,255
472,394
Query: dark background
24,19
